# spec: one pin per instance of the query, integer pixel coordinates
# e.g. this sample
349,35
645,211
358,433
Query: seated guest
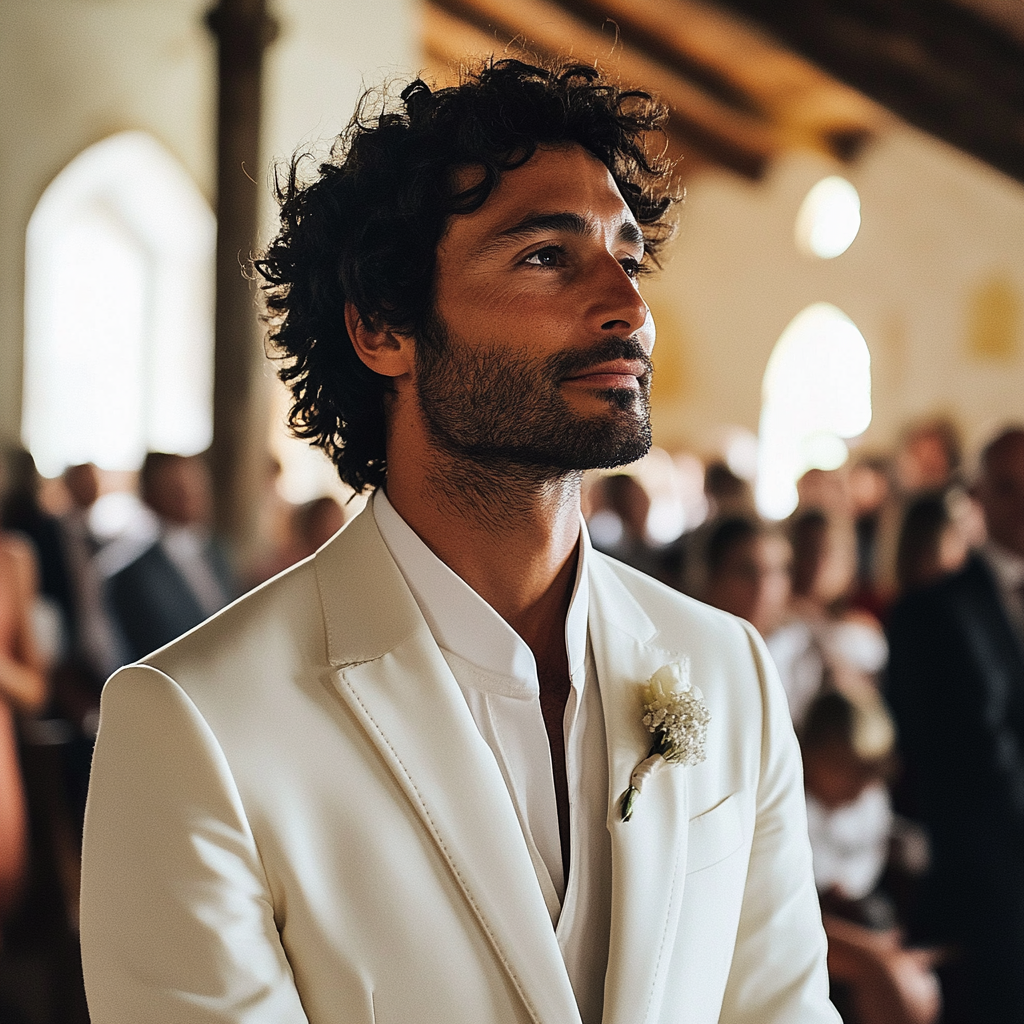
22,512
315,523
956,687
22,690
847,744
180,577
623,534
847,747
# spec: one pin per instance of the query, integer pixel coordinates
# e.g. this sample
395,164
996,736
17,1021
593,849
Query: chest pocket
714,835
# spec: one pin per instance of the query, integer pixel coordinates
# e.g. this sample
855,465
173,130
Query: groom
387,786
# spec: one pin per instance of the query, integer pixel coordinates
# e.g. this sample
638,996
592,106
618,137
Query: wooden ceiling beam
743,67
722,134
450,43
936,64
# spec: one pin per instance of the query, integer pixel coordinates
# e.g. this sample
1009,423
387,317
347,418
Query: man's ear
384,351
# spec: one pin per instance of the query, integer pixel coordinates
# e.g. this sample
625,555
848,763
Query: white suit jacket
293,818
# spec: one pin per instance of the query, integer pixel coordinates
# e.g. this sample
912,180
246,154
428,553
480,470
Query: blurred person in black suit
180,576
956,685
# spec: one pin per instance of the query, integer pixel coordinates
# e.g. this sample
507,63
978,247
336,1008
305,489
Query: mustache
562,364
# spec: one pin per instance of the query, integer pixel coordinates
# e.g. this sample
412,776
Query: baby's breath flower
676,715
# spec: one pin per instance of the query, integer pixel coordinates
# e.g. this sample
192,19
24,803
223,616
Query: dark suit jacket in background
956,686
152,603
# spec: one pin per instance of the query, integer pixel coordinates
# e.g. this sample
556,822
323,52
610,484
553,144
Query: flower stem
628,799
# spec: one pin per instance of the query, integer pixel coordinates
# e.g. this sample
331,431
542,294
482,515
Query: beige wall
934,281
74,71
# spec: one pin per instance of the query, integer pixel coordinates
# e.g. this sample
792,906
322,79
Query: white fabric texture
293,819
497,673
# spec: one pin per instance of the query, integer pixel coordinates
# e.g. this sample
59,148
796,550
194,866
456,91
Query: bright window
118,310
816,393
829,218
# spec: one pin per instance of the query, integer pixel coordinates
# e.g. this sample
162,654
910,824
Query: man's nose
621,309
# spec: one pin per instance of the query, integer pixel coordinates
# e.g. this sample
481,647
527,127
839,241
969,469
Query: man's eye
552,256
633,267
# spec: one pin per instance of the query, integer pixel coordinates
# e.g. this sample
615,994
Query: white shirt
497,674
803,649
850,844
187,548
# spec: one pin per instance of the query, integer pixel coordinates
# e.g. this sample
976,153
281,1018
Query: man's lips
617,373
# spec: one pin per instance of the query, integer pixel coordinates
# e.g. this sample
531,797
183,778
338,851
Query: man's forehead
558,188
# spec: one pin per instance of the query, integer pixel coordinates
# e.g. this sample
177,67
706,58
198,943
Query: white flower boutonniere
675,712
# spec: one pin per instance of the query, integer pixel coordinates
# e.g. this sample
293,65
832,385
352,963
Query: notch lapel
649,851
394,679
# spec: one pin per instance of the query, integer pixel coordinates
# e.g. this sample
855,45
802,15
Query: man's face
753,582
1001,493
538,353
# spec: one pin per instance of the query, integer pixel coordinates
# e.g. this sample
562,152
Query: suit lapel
649,851
396,683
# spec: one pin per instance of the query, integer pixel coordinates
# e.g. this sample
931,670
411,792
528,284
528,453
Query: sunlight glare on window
816,392
829,218
118,310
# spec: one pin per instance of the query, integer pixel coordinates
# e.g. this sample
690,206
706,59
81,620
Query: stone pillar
243,29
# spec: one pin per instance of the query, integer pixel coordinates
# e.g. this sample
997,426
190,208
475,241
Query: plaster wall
934,281
942,234
75,71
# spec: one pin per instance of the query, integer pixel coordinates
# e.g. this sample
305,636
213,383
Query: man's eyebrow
571,223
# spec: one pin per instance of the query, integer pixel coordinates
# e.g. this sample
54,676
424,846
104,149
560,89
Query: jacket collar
395,681
648,851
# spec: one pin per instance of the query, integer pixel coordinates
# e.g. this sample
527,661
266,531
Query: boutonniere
675,712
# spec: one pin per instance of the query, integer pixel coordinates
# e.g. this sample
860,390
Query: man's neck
511,535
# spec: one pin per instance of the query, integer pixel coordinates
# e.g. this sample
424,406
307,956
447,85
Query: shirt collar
464,624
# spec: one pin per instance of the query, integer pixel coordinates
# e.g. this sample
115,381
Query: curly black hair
366,228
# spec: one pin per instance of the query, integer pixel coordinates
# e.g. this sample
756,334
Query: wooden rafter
937,64
746,79
698,122
736,98
745,68
451,42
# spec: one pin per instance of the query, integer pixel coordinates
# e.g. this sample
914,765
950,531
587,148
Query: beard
498,408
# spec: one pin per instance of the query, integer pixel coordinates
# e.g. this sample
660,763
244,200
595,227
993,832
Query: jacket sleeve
177,925
778,973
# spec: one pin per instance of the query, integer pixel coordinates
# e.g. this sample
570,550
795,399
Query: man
166,578
956,685
748,566
388,785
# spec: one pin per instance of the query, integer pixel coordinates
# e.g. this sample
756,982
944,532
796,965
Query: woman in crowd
826,644
936,534
22,691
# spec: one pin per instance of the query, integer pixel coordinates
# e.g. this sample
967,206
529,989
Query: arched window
816,392
118,310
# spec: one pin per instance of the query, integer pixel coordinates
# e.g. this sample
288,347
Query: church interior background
109,159
850,255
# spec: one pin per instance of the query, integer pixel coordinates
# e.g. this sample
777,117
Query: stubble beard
506,414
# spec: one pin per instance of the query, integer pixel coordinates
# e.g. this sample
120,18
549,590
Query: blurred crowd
891,601
97,569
